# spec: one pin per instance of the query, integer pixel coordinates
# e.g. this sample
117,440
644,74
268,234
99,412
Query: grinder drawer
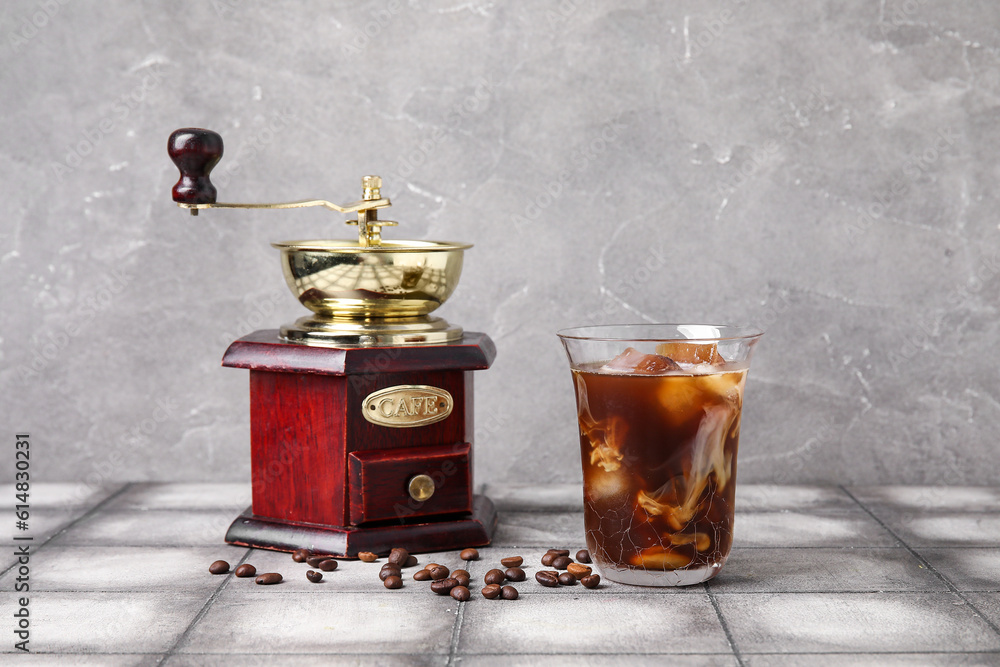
395,483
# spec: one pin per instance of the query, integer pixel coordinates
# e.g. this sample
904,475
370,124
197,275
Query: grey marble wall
825,169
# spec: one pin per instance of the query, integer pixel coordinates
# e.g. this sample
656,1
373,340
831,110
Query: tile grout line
84,515
924,562
725,626
204,609
456,630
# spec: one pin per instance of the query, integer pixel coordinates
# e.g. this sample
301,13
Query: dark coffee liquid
659,467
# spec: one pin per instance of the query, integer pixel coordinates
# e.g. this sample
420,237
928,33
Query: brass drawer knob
421,487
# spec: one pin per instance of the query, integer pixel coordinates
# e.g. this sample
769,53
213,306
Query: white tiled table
818,576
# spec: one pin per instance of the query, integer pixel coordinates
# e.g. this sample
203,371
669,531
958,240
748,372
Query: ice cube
660,558
634,361
691,353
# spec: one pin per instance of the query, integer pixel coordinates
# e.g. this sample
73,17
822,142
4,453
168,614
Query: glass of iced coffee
659,409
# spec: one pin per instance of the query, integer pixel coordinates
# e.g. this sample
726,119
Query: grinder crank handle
195,152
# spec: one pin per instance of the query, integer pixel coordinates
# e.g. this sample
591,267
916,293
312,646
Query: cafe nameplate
408,405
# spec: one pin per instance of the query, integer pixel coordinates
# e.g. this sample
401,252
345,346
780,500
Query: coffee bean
268,578
548,558
462,578
577,570
583,556
491,592
465,572
592,581
469,554
219,567
439,572
513,561
559,552
390,572
508,593
300,555
246,570
494,577
422,575
547,578
410,561
393,582
567,579
313,561
515,574
367,557
443,586
314,577
562,562
460,593
398,556
431,566
328,565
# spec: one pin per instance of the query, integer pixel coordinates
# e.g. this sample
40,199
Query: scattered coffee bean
367,556
443,586
268,578
465,572
469,554
577,570
583,556
567,579
462,577
508,593
385,573
547,578
439,572
515,574
219,567
328,565
410,561
422,575
592,581
491,592
398,556
314,577
562,562
431,566
548,558
559,552
494,577
313,561
246,570
460,593
393,582
513,561
300,555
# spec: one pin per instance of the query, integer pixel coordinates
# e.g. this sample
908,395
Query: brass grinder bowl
355,289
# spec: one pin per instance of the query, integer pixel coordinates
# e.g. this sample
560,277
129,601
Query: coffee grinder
361,414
